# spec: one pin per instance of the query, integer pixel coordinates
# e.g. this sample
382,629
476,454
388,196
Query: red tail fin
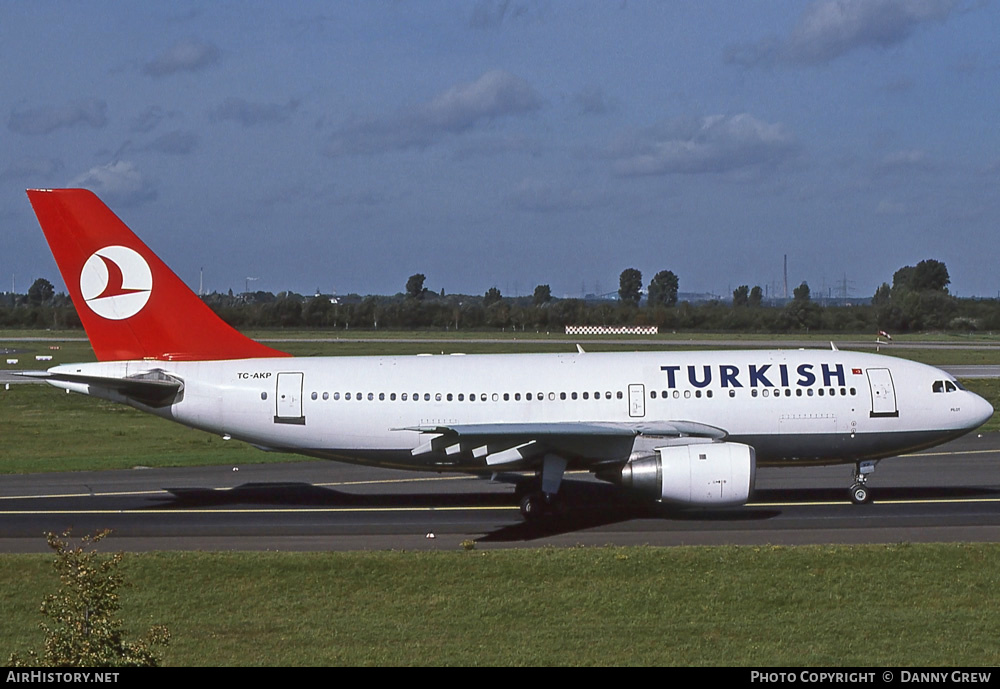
131,305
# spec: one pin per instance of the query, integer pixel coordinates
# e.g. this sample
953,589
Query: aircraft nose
980,411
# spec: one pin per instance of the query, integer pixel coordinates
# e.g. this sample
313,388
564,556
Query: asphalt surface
949,494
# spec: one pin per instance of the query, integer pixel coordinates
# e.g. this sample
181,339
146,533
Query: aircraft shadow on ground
583,504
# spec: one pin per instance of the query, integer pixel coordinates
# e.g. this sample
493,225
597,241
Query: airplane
683,428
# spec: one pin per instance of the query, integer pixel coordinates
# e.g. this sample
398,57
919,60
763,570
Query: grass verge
897,605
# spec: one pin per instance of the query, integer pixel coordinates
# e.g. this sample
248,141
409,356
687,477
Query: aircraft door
636,400
288,399
883,393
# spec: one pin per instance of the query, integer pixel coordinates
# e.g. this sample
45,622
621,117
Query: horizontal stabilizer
151,390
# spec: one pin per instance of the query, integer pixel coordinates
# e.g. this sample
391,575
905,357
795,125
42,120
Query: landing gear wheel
534,506
860,494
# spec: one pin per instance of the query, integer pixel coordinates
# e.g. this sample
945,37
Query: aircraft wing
587,443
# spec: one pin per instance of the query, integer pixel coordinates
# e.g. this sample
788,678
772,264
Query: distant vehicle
680,427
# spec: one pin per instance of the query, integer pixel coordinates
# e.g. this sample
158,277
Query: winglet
130,303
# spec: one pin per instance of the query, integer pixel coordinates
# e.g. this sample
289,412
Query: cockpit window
938,386
949,386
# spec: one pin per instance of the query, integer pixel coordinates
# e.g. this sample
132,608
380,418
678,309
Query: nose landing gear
860,495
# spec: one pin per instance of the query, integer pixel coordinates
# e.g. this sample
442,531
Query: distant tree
801,293
40,292
318,311
663,289
926,275
931,275
882,295
492,296
415,286
630,286
756,296
741,296
543,295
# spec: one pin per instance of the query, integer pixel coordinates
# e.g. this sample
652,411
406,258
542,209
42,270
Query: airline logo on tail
116,282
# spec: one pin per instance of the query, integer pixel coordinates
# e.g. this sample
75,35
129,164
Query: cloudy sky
344,146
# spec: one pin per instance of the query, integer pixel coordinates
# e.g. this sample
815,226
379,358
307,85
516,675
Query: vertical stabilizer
130,303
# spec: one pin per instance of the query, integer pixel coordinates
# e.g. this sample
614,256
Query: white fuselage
802,406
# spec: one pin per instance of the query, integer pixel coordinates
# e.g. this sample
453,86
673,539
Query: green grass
46,429
901,605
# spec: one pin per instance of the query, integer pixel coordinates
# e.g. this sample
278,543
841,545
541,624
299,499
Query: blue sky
344,146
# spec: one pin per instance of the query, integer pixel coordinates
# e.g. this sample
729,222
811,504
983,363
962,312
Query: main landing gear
860,495
535,503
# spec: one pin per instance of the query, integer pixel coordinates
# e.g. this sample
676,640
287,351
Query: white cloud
909,159
249,114
496,94
174,143
717,143
48,118
830,28
186,56
118,183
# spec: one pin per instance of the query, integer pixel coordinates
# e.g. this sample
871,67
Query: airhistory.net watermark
50,676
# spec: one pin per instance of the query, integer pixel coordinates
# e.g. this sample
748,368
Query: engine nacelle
701,474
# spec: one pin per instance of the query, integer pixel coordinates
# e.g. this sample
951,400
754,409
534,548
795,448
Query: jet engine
698,474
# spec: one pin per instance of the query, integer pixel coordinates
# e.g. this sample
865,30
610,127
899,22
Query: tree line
918,299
